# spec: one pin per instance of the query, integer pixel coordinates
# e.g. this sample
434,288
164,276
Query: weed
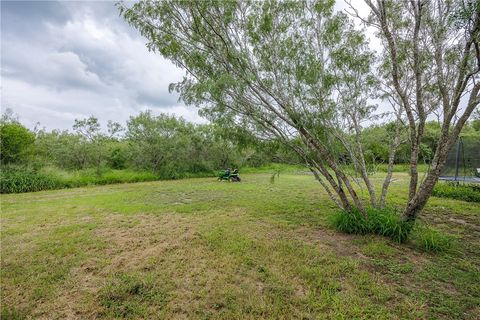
12,314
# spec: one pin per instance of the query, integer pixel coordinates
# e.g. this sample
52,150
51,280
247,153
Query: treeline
376,140
149,147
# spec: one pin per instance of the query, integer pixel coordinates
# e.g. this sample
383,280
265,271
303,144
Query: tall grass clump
17,180
466,192
386,222
432,240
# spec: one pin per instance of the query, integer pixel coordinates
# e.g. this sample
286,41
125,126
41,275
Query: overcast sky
67,60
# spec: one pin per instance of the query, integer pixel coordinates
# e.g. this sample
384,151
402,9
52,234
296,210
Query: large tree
295,71
276,68
16,142
431,67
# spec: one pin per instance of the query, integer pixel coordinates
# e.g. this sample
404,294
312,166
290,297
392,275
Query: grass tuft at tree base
386,222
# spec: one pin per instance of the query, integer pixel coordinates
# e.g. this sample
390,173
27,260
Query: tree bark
447,140
391,159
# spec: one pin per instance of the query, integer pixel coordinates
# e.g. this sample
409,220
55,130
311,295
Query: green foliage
401,167
459,191
376,140
118,156
63,149
385,222
476,124
432,240
17,179
14,179
16,142
172,148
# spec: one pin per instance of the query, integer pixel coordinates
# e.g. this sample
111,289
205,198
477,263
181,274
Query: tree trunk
391,159
333,166
416,204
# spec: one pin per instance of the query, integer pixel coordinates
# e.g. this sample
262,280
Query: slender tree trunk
418,202
391,159
329,192
333,165
366,179
337,187
359,162
414,150
317,167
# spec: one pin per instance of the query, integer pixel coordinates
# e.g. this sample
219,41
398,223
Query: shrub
386,222
465,192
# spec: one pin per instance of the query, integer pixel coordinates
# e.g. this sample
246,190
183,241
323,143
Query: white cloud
67,60
89,64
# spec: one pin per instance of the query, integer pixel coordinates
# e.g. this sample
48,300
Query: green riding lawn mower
229,176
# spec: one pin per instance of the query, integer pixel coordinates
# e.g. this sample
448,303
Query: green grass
203,249
21,180
459,191
433,240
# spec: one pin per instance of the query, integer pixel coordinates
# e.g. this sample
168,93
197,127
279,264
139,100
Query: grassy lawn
202,249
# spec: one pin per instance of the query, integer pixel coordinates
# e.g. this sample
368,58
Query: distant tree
157,142
61,148
8,116
93,142
16,142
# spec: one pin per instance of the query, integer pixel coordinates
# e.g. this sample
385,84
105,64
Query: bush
465,192
385,222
